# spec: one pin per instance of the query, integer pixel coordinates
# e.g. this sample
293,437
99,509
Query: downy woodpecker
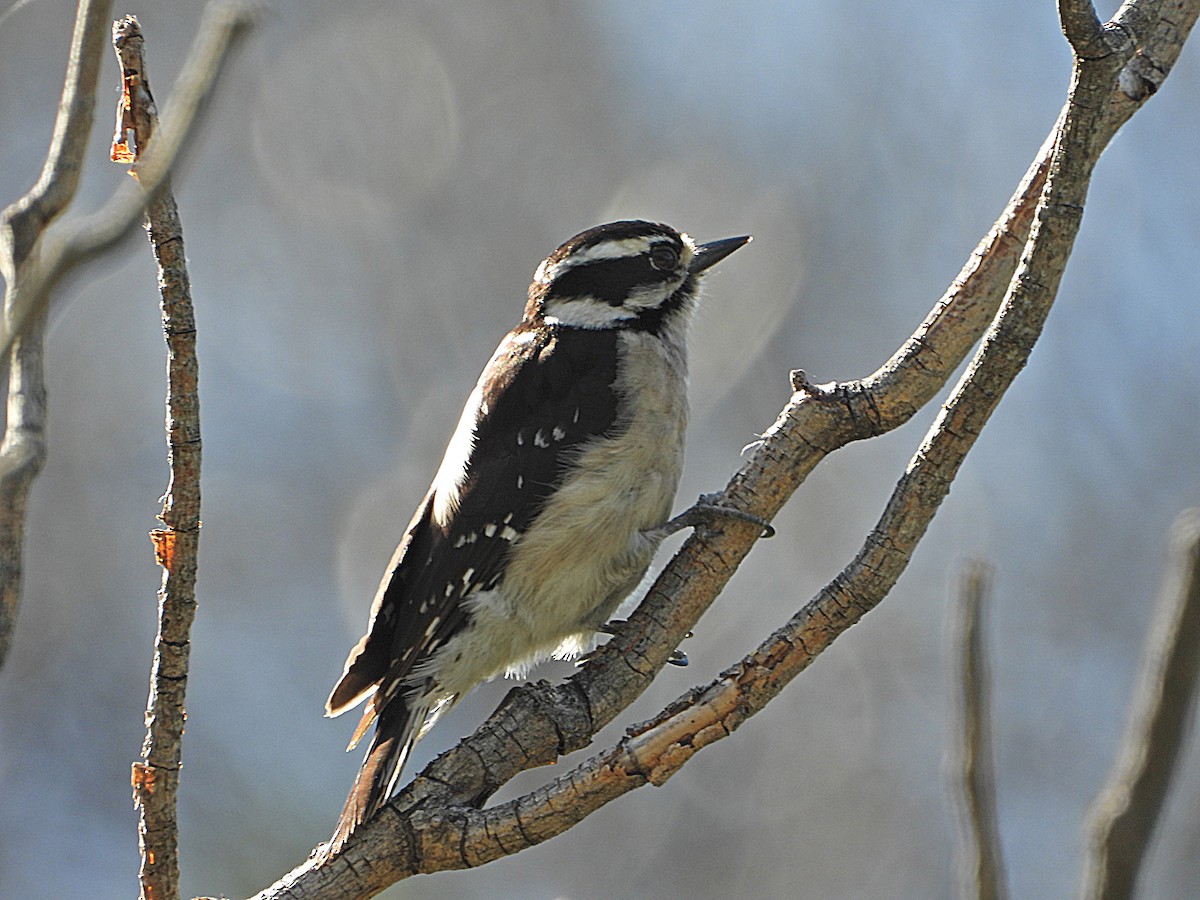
551,500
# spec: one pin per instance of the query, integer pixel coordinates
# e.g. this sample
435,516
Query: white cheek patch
586,312
653,295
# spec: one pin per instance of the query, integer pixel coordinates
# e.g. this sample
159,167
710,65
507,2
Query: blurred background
364,204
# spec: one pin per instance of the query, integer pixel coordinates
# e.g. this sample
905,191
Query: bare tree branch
981,860
1126,812
72,242
1083,29
557,719
435,822
21,226
56,186
156,775
36,251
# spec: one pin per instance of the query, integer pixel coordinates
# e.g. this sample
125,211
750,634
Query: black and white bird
553,496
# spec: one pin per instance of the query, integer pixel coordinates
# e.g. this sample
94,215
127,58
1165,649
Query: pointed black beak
708,255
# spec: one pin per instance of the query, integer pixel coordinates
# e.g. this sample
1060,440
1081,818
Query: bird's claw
706,510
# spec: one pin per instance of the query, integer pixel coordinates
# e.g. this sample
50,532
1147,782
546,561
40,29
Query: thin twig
21,228
1126,812
981,860
156,775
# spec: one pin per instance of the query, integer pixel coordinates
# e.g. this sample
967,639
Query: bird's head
630,274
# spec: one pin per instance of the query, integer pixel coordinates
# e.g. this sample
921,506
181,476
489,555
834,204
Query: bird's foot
705,513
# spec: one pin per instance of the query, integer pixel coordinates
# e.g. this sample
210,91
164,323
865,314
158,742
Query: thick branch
557,719
1127,810
429,821
554,720
660,747
815,422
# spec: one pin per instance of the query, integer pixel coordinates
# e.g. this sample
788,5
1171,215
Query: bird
552,497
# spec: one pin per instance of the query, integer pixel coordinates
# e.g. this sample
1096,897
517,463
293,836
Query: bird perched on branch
551,500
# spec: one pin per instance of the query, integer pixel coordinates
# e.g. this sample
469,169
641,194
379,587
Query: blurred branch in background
36,252
23,225
1124,816
981,862
436,822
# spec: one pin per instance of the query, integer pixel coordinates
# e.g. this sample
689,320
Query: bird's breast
588,541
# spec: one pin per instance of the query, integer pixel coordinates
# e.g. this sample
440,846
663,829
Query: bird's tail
397,729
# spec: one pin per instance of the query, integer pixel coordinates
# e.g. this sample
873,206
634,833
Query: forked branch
436,823
38,248
21,227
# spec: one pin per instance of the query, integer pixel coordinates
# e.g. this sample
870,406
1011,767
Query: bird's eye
664,257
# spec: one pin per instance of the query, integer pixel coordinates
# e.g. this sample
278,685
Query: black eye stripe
610,280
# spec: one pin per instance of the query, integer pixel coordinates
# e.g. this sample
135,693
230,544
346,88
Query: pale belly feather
590,547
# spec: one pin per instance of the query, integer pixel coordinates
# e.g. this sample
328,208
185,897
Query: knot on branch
1141,77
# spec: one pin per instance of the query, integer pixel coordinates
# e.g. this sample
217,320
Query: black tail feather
396,731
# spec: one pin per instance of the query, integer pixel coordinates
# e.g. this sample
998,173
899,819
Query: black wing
545,393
